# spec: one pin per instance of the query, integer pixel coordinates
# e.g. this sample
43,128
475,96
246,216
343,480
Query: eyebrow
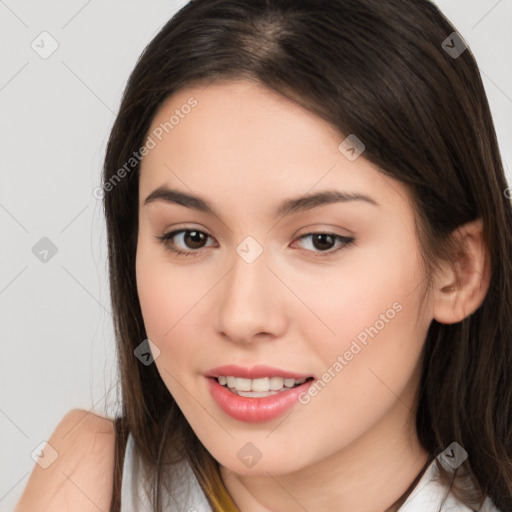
287,207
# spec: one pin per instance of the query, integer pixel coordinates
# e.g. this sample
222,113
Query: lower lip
255,410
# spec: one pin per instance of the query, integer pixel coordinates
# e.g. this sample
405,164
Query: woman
309,250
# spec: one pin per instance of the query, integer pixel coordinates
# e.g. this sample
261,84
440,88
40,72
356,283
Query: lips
255,406
256,372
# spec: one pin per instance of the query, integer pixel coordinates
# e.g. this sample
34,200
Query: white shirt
426,496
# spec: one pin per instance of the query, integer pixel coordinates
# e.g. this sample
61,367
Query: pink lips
256,372
254,410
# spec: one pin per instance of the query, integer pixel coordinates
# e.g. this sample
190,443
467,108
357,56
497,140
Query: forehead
242,117
248,139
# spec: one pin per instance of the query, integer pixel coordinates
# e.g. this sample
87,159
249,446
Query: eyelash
166,238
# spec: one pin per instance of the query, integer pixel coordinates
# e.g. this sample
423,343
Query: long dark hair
379,70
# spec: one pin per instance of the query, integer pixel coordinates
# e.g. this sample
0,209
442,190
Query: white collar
430,495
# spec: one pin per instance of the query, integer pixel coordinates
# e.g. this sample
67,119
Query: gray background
57,349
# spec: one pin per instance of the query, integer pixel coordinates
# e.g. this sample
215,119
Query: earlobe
462,284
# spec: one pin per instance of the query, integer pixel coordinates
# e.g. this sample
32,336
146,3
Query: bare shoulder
81,477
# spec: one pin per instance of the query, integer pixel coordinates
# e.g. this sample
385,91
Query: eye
324,242
193,239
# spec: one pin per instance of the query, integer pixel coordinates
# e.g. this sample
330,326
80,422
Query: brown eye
191,241
323,243
194,239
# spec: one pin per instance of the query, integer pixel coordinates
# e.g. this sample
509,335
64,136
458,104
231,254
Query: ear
462,284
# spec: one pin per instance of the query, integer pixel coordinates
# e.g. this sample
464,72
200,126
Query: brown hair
377,70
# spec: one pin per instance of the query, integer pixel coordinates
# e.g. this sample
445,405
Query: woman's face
256,291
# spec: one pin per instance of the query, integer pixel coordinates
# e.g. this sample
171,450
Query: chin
270,461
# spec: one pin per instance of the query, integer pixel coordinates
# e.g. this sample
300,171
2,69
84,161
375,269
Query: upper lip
254,372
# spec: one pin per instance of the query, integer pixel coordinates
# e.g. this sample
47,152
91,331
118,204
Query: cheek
380,325
172,299
155,300
166,292
371,294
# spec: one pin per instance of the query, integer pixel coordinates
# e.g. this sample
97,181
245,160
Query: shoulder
82,473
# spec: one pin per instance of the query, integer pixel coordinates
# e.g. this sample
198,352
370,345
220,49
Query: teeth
276,383
264,386
260,385
242,384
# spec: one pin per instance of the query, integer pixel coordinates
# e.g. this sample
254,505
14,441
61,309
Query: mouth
260,387
256,394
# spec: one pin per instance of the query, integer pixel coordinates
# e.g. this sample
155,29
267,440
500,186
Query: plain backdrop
57,346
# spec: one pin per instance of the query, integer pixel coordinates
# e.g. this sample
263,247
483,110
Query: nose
250,302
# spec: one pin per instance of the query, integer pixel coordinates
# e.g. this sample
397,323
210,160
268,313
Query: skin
245,149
